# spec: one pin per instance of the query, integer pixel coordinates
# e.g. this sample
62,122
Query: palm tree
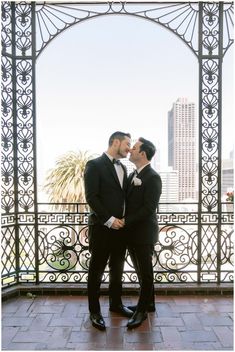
64,183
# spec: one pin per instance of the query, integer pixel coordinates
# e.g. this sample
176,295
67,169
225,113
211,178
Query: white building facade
170,189
182,146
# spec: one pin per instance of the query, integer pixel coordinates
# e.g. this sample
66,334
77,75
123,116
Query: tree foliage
64,183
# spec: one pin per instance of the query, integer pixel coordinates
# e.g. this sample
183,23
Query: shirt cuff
109,222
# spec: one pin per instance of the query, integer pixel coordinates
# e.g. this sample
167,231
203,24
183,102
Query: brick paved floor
62,323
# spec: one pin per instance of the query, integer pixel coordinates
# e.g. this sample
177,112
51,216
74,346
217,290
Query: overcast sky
115,73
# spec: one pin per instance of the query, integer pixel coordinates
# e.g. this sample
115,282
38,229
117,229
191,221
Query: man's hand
117,224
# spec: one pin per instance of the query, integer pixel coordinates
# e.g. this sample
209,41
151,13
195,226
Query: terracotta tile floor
62,323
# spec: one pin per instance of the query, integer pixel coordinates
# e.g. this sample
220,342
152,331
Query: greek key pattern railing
63,254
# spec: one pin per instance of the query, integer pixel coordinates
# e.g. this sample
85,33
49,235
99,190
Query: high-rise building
227,176
170,189
182,146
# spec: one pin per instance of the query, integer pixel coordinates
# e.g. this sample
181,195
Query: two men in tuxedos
123,214
105,189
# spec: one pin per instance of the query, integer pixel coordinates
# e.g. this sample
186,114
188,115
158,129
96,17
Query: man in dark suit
143,194
105,187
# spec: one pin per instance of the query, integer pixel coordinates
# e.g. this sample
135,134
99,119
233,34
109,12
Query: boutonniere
137,181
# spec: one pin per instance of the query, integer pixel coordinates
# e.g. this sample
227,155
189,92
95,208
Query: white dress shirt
120,175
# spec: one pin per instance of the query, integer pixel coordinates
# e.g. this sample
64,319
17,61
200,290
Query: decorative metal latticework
41,246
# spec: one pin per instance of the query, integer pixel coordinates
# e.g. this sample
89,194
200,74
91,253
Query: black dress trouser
141,256
106,246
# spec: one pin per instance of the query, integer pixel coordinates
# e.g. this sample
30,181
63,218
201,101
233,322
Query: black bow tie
116,161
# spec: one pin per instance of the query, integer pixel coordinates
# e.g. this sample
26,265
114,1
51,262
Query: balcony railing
51,246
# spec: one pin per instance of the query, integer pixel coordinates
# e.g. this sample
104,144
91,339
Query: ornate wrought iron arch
27,28
180,18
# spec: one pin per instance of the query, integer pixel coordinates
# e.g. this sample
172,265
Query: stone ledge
81,289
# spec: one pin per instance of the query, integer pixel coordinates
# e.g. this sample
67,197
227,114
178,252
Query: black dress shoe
151,308
121,309
97,321
136,319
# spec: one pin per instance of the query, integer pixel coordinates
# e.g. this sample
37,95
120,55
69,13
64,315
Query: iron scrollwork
64,254
52,19
8,184
64,247
186,251
24,106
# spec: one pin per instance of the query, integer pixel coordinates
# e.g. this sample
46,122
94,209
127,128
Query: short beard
120,154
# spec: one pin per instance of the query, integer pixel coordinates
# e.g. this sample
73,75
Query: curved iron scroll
180,18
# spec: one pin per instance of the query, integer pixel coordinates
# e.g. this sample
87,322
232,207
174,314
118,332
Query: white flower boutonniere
137,181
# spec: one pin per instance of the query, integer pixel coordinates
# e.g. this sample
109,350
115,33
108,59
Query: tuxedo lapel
130,184
125,184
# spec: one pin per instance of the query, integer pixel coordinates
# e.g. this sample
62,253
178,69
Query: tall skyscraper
182,146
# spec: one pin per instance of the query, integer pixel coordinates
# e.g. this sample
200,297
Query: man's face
135,153
123,147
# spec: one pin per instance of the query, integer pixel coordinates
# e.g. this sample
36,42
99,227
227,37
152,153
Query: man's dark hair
118,135
147,147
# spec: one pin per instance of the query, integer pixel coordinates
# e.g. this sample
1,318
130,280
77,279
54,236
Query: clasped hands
118,224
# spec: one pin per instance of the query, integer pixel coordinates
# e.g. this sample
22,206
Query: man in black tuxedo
143,194
105,188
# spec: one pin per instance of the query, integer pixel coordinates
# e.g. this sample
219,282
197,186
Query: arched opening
112,73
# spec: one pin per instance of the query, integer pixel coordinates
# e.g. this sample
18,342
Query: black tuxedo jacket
141,204
103,191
